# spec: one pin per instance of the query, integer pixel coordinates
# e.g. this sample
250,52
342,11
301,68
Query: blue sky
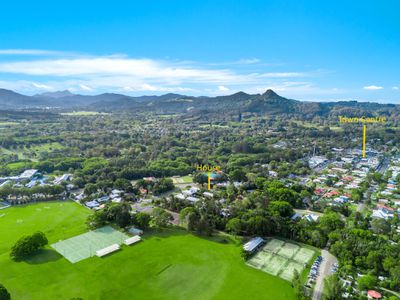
307,50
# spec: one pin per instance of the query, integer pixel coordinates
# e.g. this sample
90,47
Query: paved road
324,271
383,166
360,206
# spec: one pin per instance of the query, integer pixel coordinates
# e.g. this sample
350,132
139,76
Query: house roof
374,294
252,244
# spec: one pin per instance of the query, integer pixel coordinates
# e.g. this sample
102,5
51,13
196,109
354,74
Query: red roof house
374,295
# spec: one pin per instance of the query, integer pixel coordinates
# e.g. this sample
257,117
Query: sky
305,50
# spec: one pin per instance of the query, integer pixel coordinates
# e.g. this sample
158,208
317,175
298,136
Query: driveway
324,271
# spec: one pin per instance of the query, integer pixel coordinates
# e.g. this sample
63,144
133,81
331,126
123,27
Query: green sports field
167,265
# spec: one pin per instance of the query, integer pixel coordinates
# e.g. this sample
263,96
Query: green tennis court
281,258
85,245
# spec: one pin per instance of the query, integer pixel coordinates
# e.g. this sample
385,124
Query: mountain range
266,103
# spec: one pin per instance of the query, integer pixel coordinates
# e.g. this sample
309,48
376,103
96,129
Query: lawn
28,153
182,179
166,265
83,113
7,123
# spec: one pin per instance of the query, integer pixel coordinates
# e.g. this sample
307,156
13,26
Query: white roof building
192,199
28,174
253,244
311,217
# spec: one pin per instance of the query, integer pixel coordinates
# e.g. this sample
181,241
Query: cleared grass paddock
85,245
280,258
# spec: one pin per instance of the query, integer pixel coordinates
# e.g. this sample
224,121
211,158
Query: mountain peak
240,94
270,94
58,94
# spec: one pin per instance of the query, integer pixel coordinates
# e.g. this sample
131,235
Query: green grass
183,179
28,153
83,113
166,265
17,165
46,147
7,123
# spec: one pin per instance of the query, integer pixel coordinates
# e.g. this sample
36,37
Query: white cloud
29,52
248,61
121,73
283,75
373,88
222,88
85,87
395,88
139,68
41,86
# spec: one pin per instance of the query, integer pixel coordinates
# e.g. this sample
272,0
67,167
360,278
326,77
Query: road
324,271
382,167
361,206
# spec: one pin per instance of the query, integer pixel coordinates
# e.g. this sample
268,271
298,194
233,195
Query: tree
90,188
356,195
367,282
97,219
298,286
330,221
28,245
200,178
235,226
120,214
281,208
123,184
163,185
161,218
333,288
245,254
204,226
380,226
238,175
374,261
258,225
142,220
4,294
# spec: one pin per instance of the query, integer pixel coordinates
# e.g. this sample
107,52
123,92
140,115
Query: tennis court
85,245
275,265
288,272
288,250
304,255
273,245
281,258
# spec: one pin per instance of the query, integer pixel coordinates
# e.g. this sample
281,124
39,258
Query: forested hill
266,103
